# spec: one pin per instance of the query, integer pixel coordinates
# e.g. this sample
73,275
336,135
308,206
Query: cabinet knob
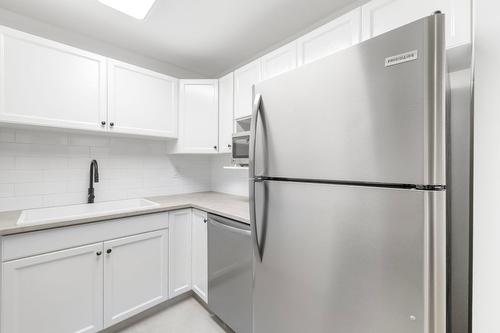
228,146
103,123
111,124
98,253
108,251
215,147
205,220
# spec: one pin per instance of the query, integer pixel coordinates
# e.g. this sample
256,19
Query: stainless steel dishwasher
230,272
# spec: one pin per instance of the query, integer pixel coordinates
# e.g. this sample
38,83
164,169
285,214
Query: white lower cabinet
180,252
188,253
199,257
58,292
53,281
135,274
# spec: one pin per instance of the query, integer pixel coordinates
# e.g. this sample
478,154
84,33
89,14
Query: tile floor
186,316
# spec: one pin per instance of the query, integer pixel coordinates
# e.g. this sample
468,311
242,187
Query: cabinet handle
108,251
98,253
103,123
111,124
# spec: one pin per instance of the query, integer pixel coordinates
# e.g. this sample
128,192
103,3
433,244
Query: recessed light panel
135,8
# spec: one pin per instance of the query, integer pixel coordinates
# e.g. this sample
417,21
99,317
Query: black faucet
94,177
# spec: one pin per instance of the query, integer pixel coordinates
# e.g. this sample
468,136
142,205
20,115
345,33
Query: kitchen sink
57,214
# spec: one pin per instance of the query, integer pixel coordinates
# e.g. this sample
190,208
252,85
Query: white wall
228,181
52,168
486,267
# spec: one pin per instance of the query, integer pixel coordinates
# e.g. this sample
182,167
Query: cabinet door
334,36
380,16
198,116
140,101
244,79
226,115
179,252
279,61
57,292
200,255
135,274
50,84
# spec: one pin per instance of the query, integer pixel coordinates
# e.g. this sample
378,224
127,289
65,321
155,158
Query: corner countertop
230,206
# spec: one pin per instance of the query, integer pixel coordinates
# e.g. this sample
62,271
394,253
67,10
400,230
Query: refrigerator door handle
251,169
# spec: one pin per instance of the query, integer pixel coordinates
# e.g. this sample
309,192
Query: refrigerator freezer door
372,113
349,259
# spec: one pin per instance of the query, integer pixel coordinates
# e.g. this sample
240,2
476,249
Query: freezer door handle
251,169
253,132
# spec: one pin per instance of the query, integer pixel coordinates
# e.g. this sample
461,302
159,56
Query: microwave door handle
251,169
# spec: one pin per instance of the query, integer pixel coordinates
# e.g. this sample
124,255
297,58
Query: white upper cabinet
279,61
198,117
140,101
226,112
45,83
135,274
380,16
57,292
244,79
334,36
200,255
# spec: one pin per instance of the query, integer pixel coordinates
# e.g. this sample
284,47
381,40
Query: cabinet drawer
38,242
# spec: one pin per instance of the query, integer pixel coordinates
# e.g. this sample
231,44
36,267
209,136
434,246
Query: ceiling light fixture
136,8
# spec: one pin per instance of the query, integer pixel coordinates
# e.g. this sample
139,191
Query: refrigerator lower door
348,259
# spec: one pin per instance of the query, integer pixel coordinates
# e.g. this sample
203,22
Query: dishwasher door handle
229,228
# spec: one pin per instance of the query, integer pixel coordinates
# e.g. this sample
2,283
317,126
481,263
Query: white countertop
230,206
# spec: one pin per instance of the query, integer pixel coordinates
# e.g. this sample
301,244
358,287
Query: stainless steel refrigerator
348,189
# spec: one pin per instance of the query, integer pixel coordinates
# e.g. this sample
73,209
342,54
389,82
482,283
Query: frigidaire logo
401,58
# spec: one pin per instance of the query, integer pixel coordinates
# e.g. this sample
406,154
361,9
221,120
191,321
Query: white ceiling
208,37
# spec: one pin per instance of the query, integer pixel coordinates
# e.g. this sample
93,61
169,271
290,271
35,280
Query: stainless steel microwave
241,148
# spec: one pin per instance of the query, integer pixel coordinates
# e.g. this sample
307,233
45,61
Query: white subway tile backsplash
6,190
15,203
43,163
228,180
20,176
7,135
52,200
43,169
7,162
27,189
76,162
88,140
42,137
52,175
81,184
